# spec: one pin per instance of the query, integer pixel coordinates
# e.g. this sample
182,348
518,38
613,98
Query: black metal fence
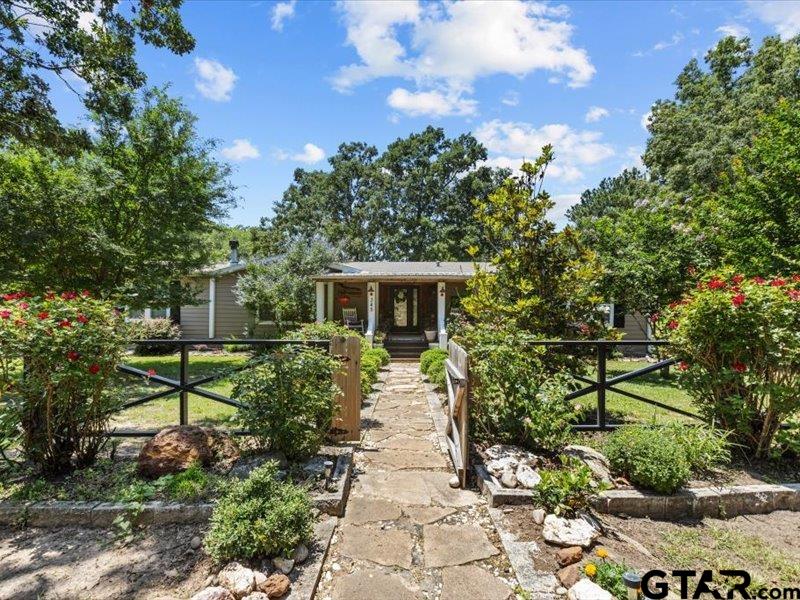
602,384
185,386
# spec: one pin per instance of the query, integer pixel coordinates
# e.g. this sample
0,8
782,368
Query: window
619,316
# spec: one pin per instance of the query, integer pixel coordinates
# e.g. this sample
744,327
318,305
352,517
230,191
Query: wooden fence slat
347,424
457,378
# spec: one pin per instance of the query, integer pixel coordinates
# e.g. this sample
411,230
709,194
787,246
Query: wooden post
347,424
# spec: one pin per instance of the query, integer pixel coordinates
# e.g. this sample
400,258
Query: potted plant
430,331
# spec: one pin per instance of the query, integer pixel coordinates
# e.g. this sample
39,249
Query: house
404,303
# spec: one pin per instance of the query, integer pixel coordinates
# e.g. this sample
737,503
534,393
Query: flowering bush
57,353
738,341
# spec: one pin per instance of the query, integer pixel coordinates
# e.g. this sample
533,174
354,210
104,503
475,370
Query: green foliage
370,365
60,402
154,329
259,517
290,400
412,202
648,459
543,280
705,448
97,222
564,491
282,288
382,353
326,330
517,396
101,56
738,341
786,443
429,356
437,372
189,485
608,576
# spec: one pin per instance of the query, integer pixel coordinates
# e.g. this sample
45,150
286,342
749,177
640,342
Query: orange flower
590,569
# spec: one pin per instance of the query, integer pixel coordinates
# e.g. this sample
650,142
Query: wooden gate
457,379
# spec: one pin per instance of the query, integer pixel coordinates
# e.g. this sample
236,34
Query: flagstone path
407,534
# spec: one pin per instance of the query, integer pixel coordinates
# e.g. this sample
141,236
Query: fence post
347,424
184,378
602,354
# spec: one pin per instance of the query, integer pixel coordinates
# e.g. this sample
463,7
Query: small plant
187,486
290,400
430,356
325,331
705,448
565,491
608,574
648,459
259,517
154,329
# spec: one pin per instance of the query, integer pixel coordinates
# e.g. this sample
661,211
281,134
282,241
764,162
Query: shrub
705,448
382,354
427,357
738,341
325,331
259,517
154,329
370,365
647,459
437,372
517,398
564,491
69,345
290,400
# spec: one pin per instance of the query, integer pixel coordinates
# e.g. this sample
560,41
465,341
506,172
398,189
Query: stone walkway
407,534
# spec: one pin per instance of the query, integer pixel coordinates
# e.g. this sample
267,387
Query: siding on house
194,318
635,329
231,319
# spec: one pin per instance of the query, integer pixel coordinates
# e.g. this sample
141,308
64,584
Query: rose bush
57,353
738,342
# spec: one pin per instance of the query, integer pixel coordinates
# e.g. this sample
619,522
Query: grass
164,412
653,386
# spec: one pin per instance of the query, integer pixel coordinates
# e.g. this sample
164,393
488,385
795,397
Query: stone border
495,493
57,513
305,586
715,502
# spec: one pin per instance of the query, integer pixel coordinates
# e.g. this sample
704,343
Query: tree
89,41
716,112
542,280
125,219
413,202
283,287
611,197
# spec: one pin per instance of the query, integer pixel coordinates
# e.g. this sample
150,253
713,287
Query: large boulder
569,532
597,462
174,449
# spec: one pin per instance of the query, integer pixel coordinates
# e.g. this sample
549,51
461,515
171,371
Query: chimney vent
234,244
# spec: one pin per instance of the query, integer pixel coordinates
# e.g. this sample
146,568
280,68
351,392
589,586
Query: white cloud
510,142
433,104
311,154
783,15
733,29
676,39
241,149
563,202
215,80
282,12
633,155
511,98
595,113
451,45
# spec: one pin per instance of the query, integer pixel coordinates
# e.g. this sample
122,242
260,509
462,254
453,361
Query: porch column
372,302
320,301
329,311
441,297
212,307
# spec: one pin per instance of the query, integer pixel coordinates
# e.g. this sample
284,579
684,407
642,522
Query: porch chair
351,320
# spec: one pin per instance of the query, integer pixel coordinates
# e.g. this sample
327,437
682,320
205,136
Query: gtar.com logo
655,586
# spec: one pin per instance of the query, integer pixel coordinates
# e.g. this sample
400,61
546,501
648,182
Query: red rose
738,300
24,305
584,328
85,293
69,295
83,319
94,368
759,280
777,282
9,297
673,324
683,365
739,367
737,279
73,356
5,314
654,317
794,295
716,284
796,278
43,315
151,372
65,323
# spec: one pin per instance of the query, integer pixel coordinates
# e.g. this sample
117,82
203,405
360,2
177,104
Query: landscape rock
501,456
256,596
569,575
509,478
569,532
244,466
174,449
172,573
275,586
454,482
527,477
538,515
238,579
213,593
196,542
586,589
596,461
568,556
315,466
300,554
260,578
284,565
498,466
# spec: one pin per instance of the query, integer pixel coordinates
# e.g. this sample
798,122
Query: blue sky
280,85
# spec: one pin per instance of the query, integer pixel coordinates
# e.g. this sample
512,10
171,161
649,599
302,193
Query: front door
404,301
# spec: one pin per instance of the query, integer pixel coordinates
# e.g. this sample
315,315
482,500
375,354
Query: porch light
370,290
442,292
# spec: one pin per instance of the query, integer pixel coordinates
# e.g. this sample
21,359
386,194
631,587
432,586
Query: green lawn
652,386
163,412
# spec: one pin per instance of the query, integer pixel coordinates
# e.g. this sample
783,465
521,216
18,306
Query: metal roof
400,270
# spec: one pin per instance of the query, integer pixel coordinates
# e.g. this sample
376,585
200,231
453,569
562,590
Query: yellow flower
590,570
602,553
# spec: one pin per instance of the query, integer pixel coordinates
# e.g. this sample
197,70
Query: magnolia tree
57,354
738,341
